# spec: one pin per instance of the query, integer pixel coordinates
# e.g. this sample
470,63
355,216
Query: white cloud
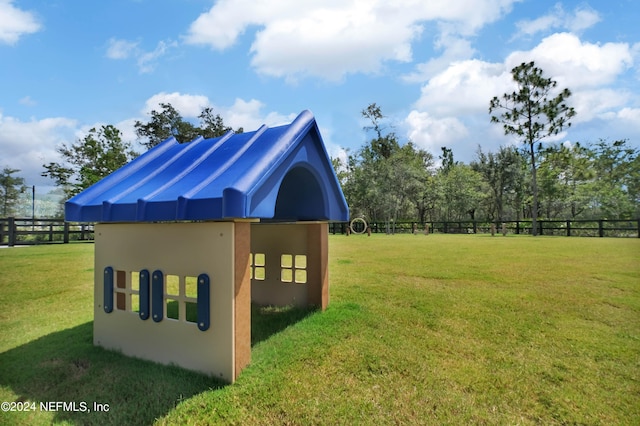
537,25
576,64
146,60
593,103
124,49
454,49
121,49
582,18
249,115
332,43
465,87
431,133
330,39
626,120
463,90
30,144
14,22
189,106
630,114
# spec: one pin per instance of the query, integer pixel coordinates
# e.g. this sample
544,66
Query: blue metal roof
278,173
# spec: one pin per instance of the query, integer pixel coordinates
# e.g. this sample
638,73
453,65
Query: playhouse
188,235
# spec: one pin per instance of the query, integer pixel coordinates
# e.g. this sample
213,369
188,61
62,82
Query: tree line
580,181
388,179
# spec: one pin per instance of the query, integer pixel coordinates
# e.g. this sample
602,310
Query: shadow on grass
66,367
269,320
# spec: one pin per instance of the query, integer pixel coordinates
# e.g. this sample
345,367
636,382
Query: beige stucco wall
307,239
182,249
222,251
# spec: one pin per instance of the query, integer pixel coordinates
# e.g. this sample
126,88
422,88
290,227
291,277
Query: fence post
540,227
65,238
638,228
600,228
12,231
568,228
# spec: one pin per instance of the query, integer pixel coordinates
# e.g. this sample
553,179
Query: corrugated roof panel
234,176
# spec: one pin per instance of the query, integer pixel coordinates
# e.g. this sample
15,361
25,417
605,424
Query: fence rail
569,228
24,231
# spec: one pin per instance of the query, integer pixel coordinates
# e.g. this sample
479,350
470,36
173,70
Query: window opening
135,281
191,299
121,290
192,311
135,302
173,285
191,287
293,268
257,262
178,295
173,309
300,264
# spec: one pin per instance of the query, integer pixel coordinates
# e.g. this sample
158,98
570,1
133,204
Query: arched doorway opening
300,197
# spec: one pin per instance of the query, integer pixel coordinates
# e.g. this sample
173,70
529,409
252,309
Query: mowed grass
437,329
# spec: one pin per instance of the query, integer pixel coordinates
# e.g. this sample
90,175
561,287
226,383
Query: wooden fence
569,228
21,231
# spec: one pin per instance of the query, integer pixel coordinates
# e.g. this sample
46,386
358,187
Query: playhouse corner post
242,297
318,250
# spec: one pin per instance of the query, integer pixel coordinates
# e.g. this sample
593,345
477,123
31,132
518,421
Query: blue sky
433,66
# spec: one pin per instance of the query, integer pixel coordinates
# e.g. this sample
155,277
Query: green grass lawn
437,329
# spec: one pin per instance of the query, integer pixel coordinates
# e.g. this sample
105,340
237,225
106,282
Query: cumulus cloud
467,86
464,87
431,133
30,144
630,114
574,63
594,103
454,49
14,22
189,106
250,115
625,120
242,113
330,39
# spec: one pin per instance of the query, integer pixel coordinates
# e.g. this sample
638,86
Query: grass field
437,329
